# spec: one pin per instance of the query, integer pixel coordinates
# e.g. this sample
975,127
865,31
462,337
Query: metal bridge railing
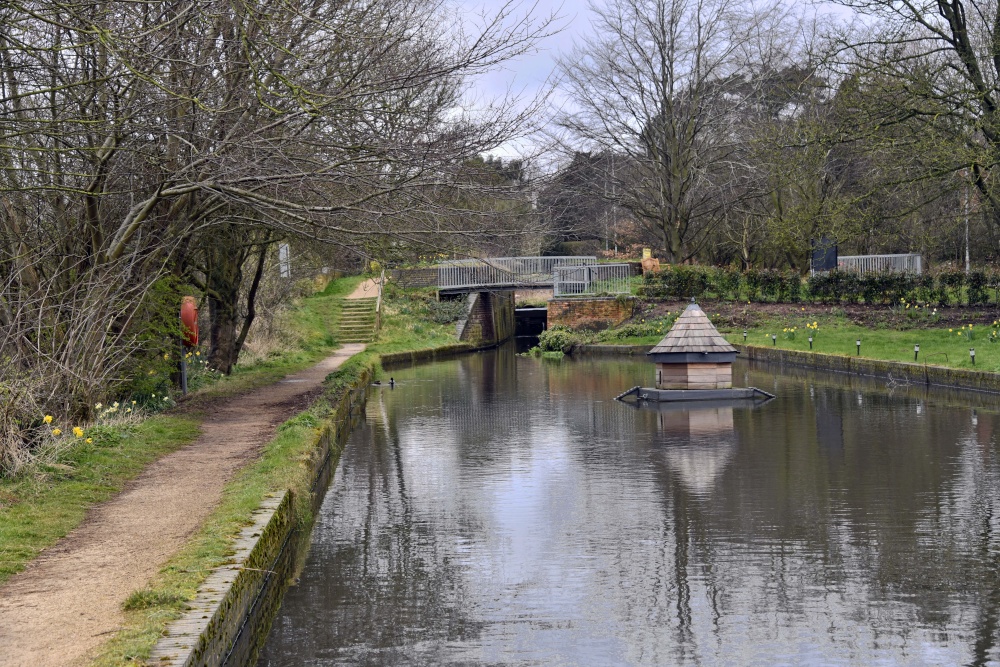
909,263
503,271
592,279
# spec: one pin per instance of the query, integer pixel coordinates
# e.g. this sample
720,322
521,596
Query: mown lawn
945,337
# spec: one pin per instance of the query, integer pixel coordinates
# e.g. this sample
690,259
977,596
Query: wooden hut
693,354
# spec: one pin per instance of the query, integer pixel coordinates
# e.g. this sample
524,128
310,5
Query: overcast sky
527,75
531,71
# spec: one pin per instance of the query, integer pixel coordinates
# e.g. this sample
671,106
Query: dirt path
366,290
68,601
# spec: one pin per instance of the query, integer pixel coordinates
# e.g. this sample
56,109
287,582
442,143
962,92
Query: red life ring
189,321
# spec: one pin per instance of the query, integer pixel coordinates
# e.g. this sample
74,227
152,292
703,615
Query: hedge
946,288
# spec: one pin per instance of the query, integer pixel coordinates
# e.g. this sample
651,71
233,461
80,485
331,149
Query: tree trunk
223,280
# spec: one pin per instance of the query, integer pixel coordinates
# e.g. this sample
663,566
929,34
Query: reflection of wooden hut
714,421
701,443
693,354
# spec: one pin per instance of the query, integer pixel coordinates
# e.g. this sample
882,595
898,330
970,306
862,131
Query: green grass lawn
47,500
939,347
835,334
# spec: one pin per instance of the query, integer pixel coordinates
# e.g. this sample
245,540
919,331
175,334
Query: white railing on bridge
503,271
909,263
592,279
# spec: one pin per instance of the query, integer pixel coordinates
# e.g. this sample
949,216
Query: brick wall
415,277
491,320
598,313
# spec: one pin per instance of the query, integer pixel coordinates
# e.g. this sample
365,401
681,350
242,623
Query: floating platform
687,395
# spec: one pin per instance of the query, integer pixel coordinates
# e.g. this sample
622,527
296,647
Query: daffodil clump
55,432
994,334
789,332
917,310
115,413
964,332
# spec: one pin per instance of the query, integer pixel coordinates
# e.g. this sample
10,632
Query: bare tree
929,74
663,83
132,131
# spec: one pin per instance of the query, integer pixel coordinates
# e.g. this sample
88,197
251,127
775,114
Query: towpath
69,600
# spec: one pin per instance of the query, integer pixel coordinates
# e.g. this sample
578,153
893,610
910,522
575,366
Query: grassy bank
286,462
938,346
886,334
50,498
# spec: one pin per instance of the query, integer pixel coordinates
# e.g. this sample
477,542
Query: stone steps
357,320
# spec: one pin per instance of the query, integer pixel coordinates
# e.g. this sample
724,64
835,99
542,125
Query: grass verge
286,462
44,502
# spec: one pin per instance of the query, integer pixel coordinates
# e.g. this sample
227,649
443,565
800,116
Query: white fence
503,271
592,279
879,263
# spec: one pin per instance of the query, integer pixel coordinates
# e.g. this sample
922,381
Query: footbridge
461,276
488,285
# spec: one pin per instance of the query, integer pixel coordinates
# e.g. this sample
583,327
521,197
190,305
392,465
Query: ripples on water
498,510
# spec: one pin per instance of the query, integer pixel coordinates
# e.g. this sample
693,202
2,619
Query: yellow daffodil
77,431
89,441
57,431
47,419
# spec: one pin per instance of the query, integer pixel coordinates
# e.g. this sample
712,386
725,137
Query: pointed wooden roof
693,332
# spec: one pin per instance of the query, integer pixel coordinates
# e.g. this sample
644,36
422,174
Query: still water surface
499,510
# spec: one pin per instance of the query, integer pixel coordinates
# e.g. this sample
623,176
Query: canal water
504,510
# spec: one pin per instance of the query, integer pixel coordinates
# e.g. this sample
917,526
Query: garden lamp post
858,343
744,336
774,339
972,355
810,342
916,351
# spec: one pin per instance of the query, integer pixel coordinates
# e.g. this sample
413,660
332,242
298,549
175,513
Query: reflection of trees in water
377,579
478,398
837,510
894,493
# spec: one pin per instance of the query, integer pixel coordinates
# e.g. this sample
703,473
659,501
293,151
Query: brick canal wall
490,320
596,313
961,378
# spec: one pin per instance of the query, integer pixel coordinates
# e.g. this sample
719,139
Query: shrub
771,284
950,286
977,282
924,287
754,280
790,289
557,339
445,312
728,283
